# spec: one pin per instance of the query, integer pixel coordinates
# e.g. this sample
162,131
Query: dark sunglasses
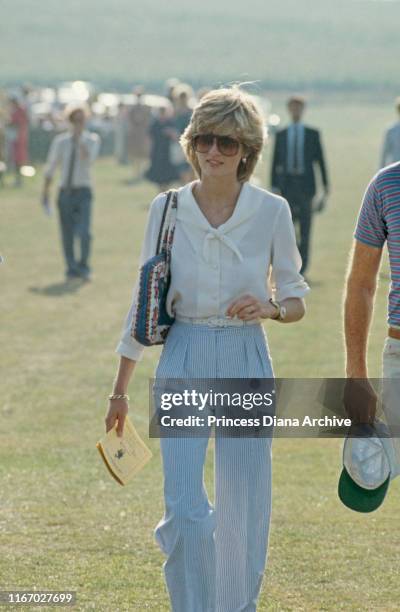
226,145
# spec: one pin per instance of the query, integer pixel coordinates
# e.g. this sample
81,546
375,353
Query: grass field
64,524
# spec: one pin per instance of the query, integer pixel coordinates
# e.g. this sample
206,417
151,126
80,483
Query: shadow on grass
59,289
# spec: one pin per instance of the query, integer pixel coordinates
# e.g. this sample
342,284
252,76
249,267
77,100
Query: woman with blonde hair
228,237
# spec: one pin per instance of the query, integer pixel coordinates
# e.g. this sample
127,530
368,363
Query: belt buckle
216,322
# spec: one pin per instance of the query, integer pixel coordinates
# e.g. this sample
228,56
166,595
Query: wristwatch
281,310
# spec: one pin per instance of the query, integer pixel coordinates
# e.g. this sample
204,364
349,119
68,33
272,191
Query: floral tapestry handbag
152,321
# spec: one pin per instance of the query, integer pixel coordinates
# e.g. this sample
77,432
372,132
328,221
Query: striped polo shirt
379,221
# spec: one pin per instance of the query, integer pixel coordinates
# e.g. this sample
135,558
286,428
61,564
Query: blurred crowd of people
140,129
145,131
14,135
147,137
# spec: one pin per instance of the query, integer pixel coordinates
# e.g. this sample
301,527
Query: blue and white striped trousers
215,554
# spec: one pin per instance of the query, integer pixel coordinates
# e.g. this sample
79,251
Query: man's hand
45,198
360,399
46,203
320,202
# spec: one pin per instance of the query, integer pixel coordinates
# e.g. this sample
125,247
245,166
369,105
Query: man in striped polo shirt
378,222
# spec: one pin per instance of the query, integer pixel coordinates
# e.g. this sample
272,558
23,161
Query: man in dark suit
297,152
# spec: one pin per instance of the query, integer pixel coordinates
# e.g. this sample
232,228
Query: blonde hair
231,112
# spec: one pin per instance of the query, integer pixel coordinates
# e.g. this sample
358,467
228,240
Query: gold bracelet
116,396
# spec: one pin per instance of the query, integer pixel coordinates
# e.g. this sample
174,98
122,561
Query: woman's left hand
248,307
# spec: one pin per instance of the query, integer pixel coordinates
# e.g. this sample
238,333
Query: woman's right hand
117,411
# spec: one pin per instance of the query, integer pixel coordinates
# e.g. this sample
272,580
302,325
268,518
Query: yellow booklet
124,457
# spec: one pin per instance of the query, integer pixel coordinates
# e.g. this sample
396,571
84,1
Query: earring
244,159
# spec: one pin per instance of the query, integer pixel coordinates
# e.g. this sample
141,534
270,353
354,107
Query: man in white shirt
74,151
391,142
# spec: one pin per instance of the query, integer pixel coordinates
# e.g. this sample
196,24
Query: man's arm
320,159
53,159
358,306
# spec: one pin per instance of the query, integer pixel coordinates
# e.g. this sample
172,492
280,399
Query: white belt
217,321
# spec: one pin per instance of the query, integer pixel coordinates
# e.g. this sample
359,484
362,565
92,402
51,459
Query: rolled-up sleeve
53,158
128,346
287,282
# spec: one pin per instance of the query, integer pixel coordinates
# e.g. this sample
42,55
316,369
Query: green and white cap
368,466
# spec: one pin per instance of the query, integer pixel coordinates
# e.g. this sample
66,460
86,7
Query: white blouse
60,154
253,252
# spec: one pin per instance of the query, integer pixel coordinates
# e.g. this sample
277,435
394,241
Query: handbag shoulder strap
167,226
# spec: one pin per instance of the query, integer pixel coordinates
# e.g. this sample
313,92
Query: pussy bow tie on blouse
190,214
218,234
